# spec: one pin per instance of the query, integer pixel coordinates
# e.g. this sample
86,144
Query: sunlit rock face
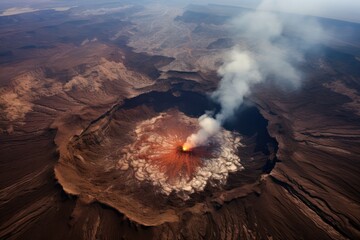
156,155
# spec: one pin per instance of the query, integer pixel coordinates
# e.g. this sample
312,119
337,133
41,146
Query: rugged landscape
82,87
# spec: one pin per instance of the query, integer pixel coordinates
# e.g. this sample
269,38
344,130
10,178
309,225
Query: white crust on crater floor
213,170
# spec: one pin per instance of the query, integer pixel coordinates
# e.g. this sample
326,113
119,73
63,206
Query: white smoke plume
267,54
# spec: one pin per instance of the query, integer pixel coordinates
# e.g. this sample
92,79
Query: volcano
146,158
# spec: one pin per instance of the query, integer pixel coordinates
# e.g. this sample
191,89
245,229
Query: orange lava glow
186,147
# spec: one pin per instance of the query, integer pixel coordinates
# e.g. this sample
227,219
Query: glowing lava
186,148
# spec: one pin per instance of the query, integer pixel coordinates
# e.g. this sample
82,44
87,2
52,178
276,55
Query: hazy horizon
347,10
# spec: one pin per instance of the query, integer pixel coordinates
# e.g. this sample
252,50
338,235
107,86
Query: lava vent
156,155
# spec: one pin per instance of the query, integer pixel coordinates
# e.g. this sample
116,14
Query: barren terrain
76,85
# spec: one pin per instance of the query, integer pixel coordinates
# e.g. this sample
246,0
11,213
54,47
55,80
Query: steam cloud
271,54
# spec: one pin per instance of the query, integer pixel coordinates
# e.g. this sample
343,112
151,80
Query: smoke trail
271,55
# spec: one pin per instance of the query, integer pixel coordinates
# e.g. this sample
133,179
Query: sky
348,10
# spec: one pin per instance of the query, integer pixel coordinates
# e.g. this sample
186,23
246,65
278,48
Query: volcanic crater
131,158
